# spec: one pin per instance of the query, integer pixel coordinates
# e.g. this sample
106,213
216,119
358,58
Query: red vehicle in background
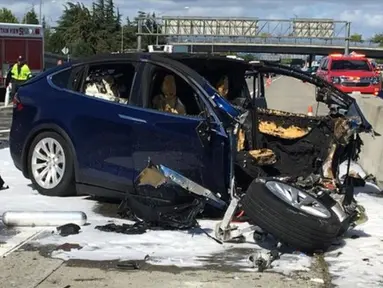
20,39
352,73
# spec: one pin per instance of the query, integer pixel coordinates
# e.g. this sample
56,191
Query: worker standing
20,73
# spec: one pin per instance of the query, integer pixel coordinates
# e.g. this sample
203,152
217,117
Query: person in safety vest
20,73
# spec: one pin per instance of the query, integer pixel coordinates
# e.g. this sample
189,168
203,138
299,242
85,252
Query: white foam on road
180,248
359,263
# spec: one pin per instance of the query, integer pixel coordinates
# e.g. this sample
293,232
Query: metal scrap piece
150,176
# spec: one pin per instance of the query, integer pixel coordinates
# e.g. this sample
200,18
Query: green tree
378,38
30,17
75,27
286,61
356,38
98,29
6,16
265,35
150,25
248,57
129,35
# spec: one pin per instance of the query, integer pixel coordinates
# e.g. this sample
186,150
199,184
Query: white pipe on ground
7,95
43,218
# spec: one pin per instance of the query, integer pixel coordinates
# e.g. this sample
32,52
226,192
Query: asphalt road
26,268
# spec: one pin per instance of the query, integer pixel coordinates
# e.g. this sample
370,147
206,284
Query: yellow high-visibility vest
25,73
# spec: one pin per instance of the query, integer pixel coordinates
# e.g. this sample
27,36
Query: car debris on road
2,184
229,153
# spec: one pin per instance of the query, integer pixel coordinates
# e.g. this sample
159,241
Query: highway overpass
371,52
253,35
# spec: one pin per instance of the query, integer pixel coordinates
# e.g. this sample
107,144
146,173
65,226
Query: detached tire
290,225
51,165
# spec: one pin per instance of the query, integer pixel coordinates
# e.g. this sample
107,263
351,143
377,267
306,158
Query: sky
366,16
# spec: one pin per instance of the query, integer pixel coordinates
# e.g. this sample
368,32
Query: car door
259,99
102,132
174,140
322,71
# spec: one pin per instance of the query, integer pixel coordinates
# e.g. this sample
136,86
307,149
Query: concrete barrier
371,157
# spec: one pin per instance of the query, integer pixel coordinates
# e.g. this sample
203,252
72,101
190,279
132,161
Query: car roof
160,57
180,61
185,62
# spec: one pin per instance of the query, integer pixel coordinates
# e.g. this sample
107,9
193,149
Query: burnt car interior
110,81
214,69
299,142
182,90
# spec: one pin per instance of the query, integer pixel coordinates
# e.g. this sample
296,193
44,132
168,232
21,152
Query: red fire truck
20,39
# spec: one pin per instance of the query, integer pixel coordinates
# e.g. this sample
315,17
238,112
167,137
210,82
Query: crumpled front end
308,151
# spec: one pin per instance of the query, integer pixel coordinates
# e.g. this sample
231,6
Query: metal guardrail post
139,37
347,41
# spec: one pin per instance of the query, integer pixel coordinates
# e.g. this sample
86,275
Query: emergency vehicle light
358,55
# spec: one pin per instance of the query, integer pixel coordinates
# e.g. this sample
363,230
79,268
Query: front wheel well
34,134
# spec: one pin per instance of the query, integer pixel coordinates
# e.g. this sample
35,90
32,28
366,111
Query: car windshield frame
350,64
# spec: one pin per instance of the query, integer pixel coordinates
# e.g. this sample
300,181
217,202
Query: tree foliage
30,17
97,28
378,38
6,16
356,38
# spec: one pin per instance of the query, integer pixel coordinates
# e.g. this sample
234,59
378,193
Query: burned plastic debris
130,229
68,229
165,199
2,184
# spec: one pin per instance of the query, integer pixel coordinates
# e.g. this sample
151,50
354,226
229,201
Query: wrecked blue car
174,135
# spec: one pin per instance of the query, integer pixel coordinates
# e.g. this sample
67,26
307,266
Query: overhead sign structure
313,28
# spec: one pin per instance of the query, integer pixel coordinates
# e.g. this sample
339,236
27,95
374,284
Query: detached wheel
50,165
291,215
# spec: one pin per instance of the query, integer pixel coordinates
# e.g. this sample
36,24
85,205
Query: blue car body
112,142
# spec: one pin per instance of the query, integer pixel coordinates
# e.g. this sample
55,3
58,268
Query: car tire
289,225
65,184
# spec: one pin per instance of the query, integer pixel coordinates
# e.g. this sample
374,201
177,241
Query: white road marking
5,107
18,240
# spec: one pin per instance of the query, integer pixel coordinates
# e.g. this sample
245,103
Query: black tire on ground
297,229
67,185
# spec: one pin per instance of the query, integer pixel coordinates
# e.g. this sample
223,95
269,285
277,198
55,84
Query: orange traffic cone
310,111
268,82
